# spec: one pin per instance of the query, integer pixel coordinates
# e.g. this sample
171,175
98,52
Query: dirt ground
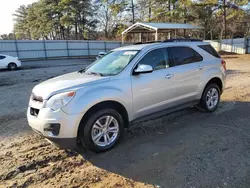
185,149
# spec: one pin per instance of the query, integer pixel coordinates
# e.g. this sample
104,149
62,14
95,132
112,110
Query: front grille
36,98
34,111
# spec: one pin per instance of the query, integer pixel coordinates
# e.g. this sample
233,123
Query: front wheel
12,66
102,130
210,98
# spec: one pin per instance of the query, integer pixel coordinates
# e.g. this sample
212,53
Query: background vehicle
129,84
100,55
9,62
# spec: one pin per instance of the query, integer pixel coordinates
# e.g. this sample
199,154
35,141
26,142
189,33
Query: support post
175,33
156,35
220,41
232,45
105,46
122,38
169,35
247,45
45,50
140,37
67,45
88,48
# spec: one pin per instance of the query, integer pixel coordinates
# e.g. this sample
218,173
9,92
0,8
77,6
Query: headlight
58,101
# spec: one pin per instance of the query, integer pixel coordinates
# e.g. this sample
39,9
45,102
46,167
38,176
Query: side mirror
143,69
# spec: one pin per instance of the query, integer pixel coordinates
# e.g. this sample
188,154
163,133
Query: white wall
35,49
231,45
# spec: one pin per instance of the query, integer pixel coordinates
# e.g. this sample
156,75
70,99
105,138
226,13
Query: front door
154,91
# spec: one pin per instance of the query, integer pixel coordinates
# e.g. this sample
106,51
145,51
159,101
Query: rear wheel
102,130
12,66
210,98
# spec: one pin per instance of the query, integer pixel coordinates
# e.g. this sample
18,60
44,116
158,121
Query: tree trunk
133,11
221,34
149,13
63,32
76,37
169,9
185,20
225,18
68,33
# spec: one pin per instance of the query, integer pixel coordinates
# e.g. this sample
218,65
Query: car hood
71,81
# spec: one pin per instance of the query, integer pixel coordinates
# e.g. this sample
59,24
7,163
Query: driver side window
158,59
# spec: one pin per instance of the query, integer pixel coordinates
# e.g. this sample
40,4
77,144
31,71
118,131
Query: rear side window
209,49
184,55
158,59
2,57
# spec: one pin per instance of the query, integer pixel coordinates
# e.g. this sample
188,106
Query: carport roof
153,26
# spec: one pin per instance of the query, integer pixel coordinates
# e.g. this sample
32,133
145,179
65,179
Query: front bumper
63,143
64,134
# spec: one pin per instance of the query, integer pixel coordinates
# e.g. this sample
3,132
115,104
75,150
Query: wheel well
12,63
106,104
217,81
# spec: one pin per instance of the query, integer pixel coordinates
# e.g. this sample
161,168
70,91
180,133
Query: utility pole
133,11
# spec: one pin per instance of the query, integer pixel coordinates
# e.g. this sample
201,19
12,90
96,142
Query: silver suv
131,83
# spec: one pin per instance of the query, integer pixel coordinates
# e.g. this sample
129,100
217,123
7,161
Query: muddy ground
185,149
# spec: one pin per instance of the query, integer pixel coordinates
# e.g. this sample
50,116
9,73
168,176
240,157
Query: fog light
54,128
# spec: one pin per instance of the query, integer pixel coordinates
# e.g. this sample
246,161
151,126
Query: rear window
2,57
184,55
210,49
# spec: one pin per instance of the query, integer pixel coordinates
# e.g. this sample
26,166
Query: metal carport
152,27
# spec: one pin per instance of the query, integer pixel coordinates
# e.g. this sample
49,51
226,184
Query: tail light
223,63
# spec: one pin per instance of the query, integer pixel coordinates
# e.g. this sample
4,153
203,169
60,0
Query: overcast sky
7,8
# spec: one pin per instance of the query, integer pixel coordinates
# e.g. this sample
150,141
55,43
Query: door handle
200,67
168,76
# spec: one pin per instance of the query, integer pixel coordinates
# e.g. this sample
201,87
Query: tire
12,66
89,131
206,97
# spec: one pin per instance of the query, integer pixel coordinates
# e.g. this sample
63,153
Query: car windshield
112,63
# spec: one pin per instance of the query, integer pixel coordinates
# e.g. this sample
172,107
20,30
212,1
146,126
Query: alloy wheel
212,98
105,131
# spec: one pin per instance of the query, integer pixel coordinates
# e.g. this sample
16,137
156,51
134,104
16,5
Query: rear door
188,71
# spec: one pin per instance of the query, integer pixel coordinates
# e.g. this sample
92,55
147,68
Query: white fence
36,49
238,46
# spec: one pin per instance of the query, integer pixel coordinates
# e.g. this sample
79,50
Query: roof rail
148,42
183,40
170,40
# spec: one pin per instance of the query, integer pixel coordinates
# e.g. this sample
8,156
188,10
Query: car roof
159,44
5,55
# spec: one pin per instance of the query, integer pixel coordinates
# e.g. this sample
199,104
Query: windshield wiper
95,73
81,71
